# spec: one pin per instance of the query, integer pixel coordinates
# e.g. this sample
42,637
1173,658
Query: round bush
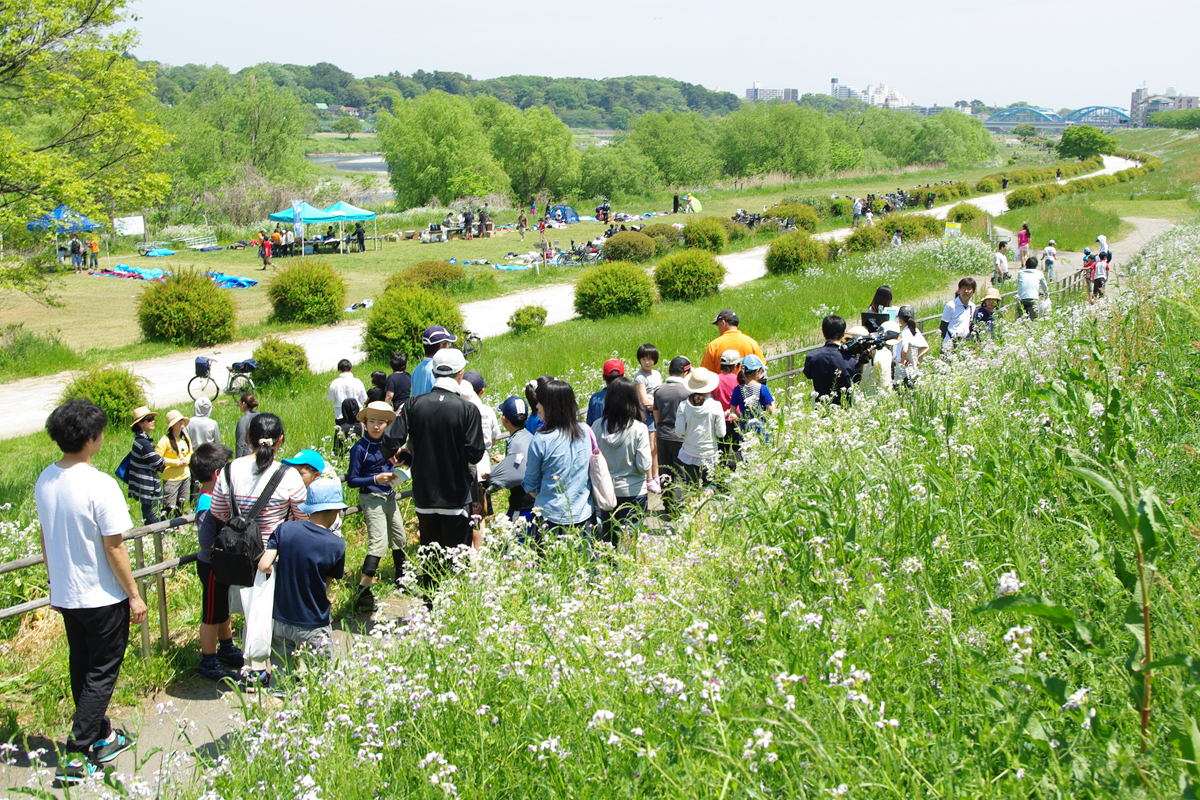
688,275
527,318
430,275
400,314
866,238
987,185
279,360
964,212
308,290
1027,196
628,246
618,287
795,252
115,389
187,309
842,207
805,215
707,233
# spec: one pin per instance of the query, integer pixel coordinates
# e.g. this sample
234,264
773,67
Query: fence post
164,633
791,365
140,555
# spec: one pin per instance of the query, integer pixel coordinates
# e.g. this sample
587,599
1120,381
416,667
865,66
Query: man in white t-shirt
344,387
82,514
1000,264
958,313
1049,256
1031,283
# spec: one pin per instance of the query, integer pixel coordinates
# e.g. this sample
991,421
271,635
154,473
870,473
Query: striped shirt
248,484
144,465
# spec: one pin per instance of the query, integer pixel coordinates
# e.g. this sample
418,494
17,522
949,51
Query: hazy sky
1049,52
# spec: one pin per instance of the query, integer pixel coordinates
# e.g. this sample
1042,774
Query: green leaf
1127,578
1151,520
1035,605
1121,510
1184,734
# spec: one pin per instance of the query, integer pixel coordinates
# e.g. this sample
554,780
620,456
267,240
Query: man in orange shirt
728,338
94,247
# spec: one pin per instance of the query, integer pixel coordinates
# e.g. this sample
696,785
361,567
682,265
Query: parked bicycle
468,342
238,383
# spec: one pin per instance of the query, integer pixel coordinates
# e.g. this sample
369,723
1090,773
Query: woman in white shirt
909,348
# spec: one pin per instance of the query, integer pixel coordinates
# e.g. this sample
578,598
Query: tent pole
376,221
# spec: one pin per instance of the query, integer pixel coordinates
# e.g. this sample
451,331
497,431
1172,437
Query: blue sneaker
212,668
75,770
231,656
117,742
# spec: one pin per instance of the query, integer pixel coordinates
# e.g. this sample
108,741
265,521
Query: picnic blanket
159,252
131,273
231,281
512,267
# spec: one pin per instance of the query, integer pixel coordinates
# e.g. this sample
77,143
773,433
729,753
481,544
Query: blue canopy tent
350,213
64,220
309,215
568,214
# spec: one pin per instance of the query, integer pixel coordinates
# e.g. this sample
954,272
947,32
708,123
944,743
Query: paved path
27,402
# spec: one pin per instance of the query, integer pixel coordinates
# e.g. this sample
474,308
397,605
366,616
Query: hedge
795,252
688,275
617,287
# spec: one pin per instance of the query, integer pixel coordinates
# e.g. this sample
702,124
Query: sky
1051,53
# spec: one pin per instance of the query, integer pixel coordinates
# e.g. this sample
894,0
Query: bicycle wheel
239,385
472,346
203,386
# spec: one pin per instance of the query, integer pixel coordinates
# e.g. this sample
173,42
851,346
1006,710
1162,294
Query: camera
861,345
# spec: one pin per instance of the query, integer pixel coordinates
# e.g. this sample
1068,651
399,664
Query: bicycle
468,342
238,383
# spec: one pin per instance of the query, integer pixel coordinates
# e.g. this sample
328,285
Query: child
510,470
373,475
956,319
216,664
306,556
985,315
378,384
701,423
1089,269
1049,256
909,347
752,400
613,368
727,382
176,450
647,380
1000,264
144,465
1100,275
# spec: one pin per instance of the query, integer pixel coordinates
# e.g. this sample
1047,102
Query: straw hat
377,410
701,381
858,330
992,294
174,416
891,326
140,413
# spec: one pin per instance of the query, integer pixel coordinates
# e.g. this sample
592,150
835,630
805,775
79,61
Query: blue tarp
63,220
312,215
568,214
231,281
343,210
159,252
512,267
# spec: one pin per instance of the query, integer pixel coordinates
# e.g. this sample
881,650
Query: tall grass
27,354
1072,222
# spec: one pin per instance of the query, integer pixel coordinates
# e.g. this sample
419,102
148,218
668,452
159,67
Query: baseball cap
324,494
728,315
476,380
613,367
1051,242
436,334
752,362
1087,251
680,365
730,357
307,458
449,361
513,408
906,312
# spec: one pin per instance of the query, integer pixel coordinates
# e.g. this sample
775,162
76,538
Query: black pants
447,531
668,464
97,638
150,510
629,511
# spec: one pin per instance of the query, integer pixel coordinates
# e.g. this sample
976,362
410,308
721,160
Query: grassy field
1072,222
328,143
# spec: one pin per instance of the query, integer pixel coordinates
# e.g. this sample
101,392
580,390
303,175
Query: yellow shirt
729,340
177,462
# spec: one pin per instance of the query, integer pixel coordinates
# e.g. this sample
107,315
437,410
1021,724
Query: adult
94,249
858,209
666,408
624,442
557,467
247,404
522,224
82,516
203,429
398,387
1004,184
433,339
1031,285
360,234
1023,237
675,204
831,371
176,449
444,439
468,223
75,246
728,338
471,387
144,465
345,386
533,390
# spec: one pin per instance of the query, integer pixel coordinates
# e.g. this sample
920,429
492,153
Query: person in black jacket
444,439
831,371
360,233
144,465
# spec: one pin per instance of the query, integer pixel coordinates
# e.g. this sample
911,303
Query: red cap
614,367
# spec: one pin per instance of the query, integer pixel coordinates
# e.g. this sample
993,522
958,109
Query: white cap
448,362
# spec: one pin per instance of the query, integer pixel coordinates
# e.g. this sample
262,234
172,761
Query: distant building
1143,103
843,91
756,93
879,94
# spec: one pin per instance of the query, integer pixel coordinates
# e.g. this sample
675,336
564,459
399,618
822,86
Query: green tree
679,145
617,170
534,148
347,125
1084,142
1025,130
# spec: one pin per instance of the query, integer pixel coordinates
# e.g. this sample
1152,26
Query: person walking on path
373,475
82,516
176,450
144,465
444,440
433,339
241,433
203,429
1031,285
345,386
1049,256
1023,243
728,338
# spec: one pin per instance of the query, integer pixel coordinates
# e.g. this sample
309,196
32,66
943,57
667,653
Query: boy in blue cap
306,555
433,338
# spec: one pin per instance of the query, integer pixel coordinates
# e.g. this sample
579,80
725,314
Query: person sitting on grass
306,555
216,663
373,475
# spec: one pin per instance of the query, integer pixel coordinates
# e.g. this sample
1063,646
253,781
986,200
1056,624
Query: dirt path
27,402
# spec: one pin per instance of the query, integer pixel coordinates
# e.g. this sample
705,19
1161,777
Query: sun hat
512,408
140,413
377,410
752,362
613,368
307,458
858,330
730,357
728,315
436,334
701,381
173,417
891,326
324,494
991,294
476,380
680,365
449,362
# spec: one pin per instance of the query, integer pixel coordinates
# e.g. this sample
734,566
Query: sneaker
213,669
117,742
75,770
365,602
256,680
231,656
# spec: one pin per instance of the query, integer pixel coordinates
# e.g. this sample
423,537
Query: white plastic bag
259,604
1045,306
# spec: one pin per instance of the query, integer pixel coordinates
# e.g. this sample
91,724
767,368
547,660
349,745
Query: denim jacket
556,473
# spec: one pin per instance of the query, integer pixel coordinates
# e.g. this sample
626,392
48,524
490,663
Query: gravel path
28,401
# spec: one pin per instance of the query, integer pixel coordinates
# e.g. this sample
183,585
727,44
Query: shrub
805,215
688,275
430,275
841,207
987,186
400,314
308,290
618,287
1027,196
279,360
795,252
187,309
115,389
734,231
964,212
865,238
527,318
628,246
657,229
707,233
25,353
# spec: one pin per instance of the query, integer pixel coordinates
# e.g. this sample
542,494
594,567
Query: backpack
239,546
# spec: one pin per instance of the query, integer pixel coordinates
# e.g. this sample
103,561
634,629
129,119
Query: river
365,162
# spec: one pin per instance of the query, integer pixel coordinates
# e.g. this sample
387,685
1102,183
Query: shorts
385,526
214,603
650,421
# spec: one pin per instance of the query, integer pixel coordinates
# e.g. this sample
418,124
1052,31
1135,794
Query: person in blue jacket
374,477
